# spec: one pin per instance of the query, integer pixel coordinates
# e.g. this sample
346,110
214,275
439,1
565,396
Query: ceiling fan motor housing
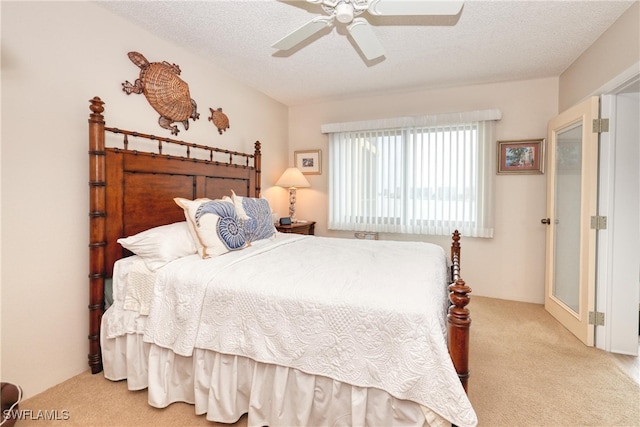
344,12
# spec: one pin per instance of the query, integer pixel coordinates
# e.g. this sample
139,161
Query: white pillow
160,245
213,225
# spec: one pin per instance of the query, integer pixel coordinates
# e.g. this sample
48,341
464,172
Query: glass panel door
568,170
571,202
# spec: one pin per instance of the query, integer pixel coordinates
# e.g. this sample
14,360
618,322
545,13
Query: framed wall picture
309,161
524,156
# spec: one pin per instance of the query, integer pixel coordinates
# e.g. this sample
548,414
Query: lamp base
292,204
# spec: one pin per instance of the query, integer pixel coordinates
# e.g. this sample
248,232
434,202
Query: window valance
414,121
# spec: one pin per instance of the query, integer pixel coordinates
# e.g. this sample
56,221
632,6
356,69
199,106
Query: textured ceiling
488,41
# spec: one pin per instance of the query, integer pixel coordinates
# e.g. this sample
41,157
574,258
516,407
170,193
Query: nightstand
298,228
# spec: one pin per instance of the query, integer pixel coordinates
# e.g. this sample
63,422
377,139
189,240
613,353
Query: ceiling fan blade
307,30
365,38
415,7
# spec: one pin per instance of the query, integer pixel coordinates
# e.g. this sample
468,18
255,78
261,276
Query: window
430,176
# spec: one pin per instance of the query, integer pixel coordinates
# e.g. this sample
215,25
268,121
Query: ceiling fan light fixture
344,12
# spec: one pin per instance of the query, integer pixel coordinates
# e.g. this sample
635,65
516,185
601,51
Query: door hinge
600,125
598,222
596,318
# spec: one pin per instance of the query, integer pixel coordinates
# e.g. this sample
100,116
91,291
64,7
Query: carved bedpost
97,230
258,165
458,318
455,247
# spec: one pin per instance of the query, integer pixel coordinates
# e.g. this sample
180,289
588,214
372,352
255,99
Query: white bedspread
374,318
132,296
139,288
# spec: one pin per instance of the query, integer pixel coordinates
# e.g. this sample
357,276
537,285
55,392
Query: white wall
55,57
509,266
613,53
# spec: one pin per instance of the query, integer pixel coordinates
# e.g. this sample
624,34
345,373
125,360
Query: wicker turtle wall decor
219,119
167,93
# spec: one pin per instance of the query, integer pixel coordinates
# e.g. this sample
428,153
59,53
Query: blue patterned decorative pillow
255,217
214,226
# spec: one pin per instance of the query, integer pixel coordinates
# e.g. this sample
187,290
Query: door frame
605,289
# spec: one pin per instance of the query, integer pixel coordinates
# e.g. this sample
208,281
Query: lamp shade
293,178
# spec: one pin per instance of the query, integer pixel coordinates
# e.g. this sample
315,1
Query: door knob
545,221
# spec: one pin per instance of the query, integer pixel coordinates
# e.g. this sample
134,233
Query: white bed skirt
224,387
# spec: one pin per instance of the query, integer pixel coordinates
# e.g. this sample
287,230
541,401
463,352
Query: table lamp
292,178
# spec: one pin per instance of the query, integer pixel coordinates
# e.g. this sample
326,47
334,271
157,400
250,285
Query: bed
291,329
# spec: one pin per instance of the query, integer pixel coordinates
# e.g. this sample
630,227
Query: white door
571,203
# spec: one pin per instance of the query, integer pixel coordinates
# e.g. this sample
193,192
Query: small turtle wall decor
219,119
167,93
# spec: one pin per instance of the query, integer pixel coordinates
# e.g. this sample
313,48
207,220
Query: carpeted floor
526,370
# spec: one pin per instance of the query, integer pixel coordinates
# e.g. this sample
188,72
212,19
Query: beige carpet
526,370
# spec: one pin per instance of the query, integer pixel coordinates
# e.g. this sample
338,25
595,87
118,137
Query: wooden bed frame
131,191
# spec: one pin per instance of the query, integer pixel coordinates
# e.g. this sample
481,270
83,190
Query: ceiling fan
347,12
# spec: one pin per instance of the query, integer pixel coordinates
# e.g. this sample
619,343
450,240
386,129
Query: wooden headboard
132,190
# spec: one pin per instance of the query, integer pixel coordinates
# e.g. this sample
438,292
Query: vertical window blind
427,175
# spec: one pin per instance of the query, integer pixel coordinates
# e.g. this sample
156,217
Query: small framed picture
309,162
522,156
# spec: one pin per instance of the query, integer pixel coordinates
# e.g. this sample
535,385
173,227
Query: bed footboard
458,319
